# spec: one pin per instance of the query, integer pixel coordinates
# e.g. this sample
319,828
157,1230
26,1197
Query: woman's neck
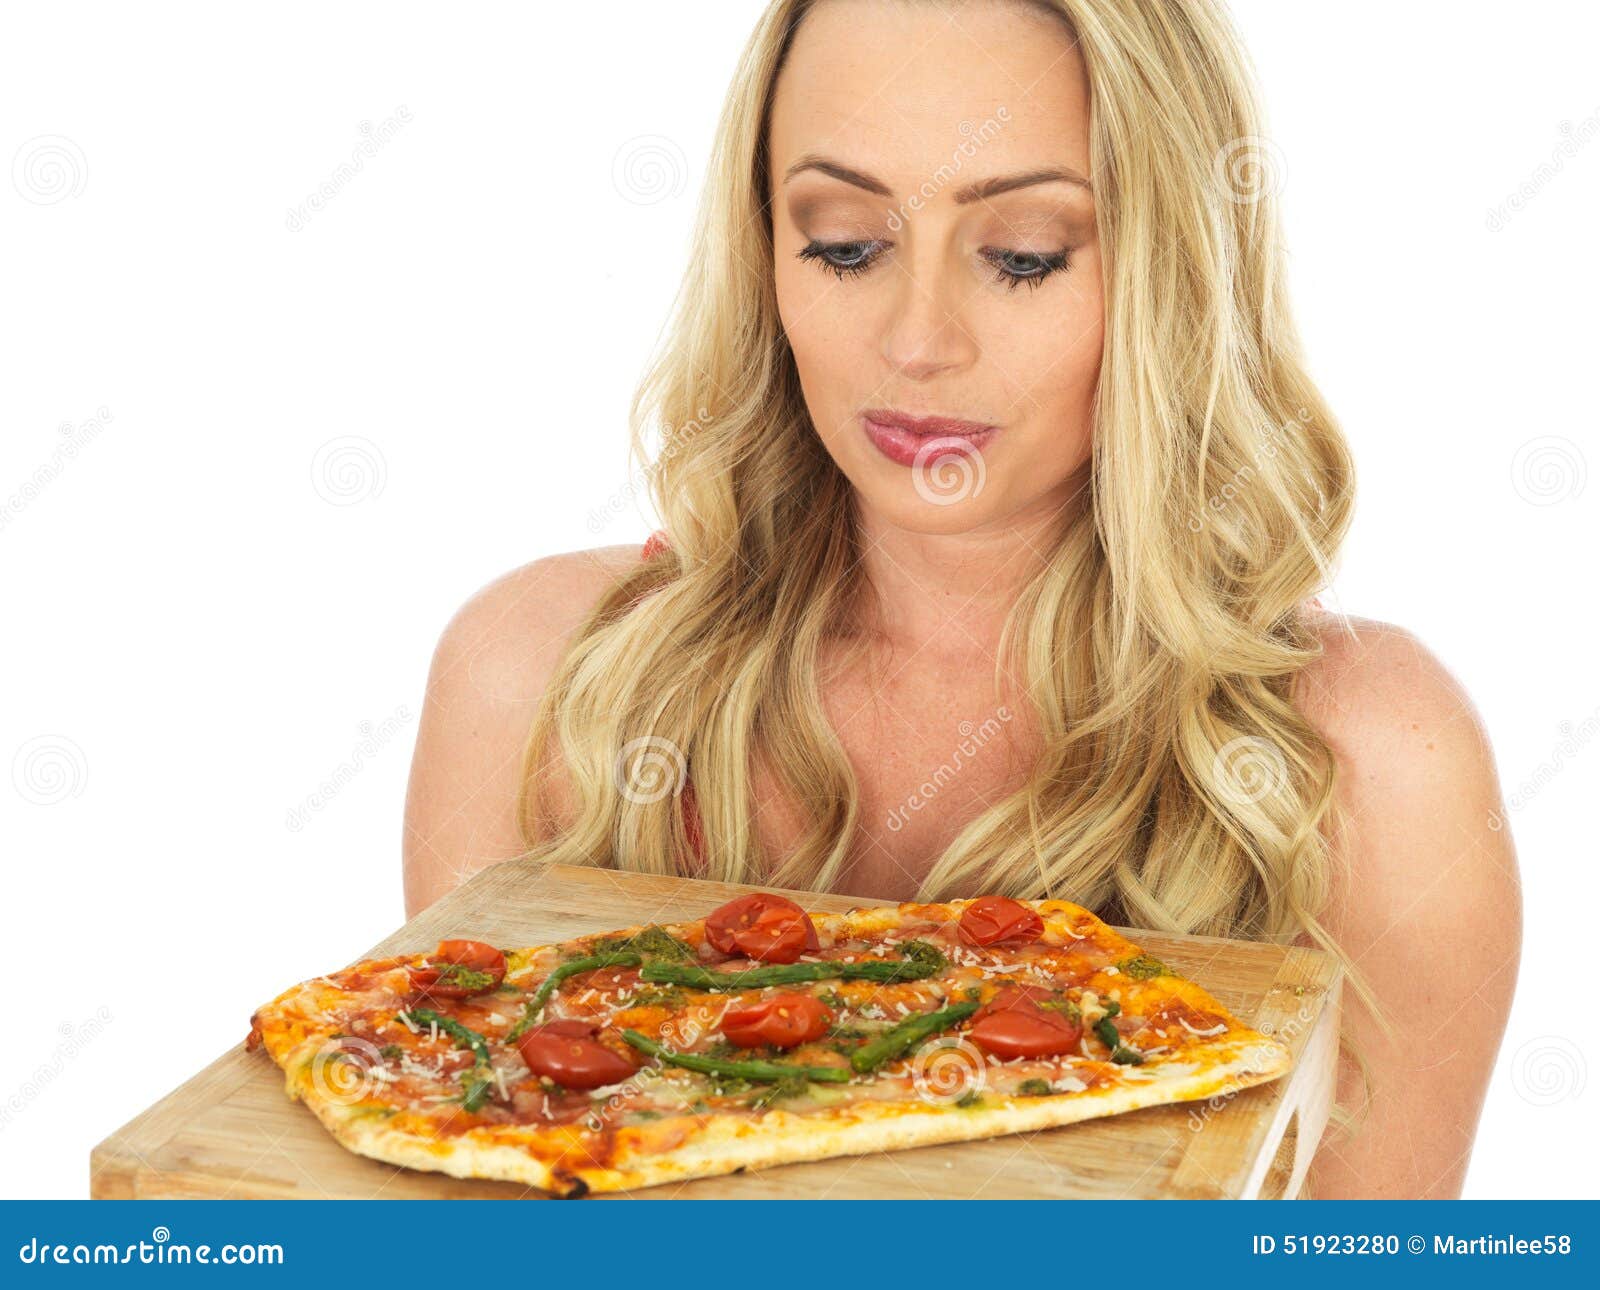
948,594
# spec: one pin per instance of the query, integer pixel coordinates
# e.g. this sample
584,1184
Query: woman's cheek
1061,400
824,348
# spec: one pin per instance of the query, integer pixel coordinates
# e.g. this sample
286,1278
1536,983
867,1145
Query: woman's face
935,253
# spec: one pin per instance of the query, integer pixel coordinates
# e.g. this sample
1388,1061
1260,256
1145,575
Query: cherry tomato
1013,996
1026,1031
568,1053
999,920
771,929
445,977
569,1026
784,1020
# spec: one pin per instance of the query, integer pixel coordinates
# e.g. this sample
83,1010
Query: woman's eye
1032,267
1011,267
843,258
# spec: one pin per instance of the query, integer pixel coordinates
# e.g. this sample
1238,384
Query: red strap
691,825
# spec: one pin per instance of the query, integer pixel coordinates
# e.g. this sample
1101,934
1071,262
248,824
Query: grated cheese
1215,1030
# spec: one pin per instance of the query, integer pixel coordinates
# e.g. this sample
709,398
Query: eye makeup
1012,268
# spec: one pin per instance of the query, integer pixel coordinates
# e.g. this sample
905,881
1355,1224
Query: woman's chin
909,510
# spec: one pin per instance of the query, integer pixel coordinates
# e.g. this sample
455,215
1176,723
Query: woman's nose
924,334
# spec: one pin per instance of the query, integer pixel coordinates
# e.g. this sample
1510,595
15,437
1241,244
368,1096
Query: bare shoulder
1380,688
1425,901
490,668
1412,749
506,639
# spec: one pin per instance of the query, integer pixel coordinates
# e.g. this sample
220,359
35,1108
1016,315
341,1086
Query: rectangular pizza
758,1035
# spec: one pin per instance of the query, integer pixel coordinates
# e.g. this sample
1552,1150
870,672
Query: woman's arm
489,672
1427,901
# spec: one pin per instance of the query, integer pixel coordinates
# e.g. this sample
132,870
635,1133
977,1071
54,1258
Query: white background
203,601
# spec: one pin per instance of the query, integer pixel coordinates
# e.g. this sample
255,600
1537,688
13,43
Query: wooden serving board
231,1131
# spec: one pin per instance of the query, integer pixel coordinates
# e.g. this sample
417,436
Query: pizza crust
721,1144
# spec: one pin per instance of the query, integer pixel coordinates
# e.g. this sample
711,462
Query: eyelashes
843,259
1032,267
1012,268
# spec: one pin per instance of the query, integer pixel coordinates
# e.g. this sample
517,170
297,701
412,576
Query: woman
987,441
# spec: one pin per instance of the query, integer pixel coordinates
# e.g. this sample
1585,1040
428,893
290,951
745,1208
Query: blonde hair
1177,786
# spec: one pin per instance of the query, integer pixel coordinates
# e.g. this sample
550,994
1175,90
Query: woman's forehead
897,89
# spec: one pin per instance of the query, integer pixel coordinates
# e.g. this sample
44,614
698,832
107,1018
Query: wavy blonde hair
1177,787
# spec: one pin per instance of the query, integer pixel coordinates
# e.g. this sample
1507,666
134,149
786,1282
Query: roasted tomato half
999,920
784,1020
459,970
568,1053
1026,1030
771,929
1013,996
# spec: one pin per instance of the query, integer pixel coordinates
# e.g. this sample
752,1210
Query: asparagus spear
541,996
463,1035
700,978
763,1072
1121,1053
894,1041
478,1086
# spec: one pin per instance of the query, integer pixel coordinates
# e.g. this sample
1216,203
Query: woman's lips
907,440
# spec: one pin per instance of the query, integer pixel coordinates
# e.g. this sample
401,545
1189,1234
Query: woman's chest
928,754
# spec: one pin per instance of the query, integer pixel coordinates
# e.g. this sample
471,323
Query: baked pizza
758,1035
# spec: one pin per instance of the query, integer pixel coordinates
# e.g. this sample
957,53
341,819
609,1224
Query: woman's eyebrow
813,162
1005,183
963,196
